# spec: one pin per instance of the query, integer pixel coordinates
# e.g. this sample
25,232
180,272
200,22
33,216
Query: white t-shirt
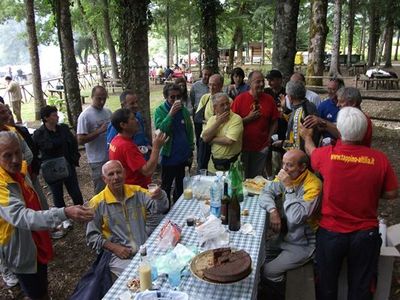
88,121
311,96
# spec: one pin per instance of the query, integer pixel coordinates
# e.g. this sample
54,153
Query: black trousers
168,174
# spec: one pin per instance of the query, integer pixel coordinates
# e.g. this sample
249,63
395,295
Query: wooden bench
300,283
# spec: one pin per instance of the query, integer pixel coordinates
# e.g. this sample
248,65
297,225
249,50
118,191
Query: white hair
217,96
110,162
7,136
352,124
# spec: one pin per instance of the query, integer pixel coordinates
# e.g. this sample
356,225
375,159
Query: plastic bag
212,233
170,235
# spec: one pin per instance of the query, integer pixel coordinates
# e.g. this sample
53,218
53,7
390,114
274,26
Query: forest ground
73,258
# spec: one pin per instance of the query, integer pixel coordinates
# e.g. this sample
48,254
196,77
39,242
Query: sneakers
58,233
67,224
9,278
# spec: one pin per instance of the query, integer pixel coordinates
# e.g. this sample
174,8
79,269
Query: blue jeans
72,185
361,249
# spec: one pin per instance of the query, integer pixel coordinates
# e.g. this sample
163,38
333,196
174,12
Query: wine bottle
225,205
234,211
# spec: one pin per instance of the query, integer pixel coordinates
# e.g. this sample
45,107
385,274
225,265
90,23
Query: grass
113,103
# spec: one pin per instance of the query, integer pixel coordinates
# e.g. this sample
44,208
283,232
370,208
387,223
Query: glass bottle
144,270
225,204
187,185
234,211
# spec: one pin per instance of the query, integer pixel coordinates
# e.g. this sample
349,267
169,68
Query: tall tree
389,33
351,15
374,31
133,21
396,54
318,33
284,48
34,57
109,39
69,66
209,11
337,19
95,41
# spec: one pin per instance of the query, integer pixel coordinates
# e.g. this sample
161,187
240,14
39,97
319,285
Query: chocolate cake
229,266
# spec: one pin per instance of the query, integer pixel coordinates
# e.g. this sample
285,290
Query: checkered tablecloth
197,289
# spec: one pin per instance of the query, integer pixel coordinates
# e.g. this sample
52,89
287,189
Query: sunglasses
175,97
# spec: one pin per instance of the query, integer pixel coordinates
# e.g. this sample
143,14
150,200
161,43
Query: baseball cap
274,74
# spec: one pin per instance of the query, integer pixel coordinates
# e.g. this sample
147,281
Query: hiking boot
9,278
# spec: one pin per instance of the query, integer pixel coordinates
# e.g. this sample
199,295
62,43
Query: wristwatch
289,190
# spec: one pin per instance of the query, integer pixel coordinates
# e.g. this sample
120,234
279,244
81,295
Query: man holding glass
119,223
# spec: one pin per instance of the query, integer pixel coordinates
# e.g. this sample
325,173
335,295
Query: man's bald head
215,83
295,162
298,77
110,164
113,174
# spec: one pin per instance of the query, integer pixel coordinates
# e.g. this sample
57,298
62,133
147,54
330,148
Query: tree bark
352,13
381,46
389,34
109,40
373,31
209,11
285,31
34,57
133,23
69,65
189,43
95,40
167,37
334,68
362,39
318,33
396,54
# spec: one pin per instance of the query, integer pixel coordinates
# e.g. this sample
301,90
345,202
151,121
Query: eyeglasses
175,97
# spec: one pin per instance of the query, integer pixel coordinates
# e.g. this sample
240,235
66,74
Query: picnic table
60,93
196,288
112,83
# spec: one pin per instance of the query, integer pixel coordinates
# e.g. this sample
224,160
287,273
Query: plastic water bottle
382,230
215,193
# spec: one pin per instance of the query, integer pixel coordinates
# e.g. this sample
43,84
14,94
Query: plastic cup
88,205
174,277
152,187
203,172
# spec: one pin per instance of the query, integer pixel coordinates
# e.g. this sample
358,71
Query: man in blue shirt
129,100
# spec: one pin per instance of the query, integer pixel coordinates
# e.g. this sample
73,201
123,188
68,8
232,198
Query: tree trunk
318,33
109,40
176,50
34,57
262,43
239,43
95,40
389,34
189,44
133,23
285,31
373,31
352,13
69,65
209,11
381,46
337,18
362,39
167,37
396,54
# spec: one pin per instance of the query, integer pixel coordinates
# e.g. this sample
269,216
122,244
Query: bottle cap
143,250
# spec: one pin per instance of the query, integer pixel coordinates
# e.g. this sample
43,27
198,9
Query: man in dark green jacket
173,118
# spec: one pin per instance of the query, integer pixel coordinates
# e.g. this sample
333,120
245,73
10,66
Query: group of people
317,153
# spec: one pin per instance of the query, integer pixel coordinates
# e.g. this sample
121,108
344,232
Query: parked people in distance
237,85
355,178
112,229
56,140
129,100
16,97
299,190
172,118
259,114
224,132
26,244
91,132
